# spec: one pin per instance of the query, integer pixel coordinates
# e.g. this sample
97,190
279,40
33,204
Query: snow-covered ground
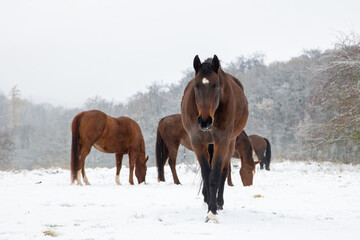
296,200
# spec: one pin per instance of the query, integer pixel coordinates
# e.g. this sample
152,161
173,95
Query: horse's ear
215,64
147,158
197,64
257,162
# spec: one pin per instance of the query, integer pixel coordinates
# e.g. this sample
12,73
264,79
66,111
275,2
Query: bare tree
15,106
334,117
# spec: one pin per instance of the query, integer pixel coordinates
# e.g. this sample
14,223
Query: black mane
206,68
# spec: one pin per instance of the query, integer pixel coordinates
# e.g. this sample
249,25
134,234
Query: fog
63,52
298,63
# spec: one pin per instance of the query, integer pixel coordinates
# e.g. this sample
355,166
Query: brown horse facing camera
171,133
109,135
214,111
262,149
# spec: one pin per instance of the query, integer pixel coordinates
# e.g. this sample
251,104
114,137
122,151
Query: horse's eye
196,87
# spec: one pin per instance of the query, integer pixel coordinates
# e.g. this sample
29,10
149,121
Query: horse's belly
102,148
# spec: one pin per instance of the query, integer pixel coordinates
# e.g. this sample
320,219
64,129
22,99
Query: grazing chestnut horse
243,150
260,145
214,111
171,133
109,135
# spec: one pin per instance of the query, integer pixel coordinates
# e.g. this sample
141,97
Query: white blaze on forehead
205,81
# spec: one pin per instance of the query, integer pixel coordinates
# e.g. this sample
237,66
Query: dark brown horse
214,111
262,149
171,133
109,135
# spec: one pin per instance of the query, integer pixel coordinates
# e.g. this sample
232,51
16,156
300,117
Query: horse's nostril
199,120
205,124
209,121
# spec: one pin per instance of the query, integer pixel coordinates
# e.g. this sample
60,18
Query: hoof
86,181
211,218
117,180
77,182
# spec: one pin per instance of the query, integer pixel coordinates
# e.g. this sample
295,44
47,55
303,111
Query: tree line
308,108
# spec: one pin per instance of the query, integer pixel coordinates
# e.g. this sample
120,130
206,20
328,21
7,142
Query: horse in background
243,150
171,133
262,149
214,111
108,135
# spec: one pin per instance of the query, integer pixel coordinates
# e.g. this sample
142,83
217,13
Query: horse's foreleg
172,163
214,183
119,158
131,166
220,197
205,171
203,157
229,180
204,193
221,160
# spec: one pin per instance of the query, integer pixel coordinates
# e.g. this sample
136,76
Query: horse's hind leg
267,164
261,159
119,158
86,181
84,151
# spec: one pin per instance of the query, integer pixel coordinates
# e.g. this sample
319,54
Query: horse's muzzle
205,125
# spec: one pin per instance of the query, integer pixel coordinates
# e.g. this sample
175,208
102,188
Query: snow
296,200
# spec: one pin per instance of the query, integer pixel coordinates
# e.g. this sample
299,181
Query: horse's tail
160,152
268,151
75,147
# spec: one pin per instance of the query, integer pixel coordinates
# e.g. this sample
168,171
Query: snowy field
296,200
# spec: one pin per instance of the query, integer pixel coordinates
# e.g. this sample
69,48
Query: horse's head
140,170
247,173
208,87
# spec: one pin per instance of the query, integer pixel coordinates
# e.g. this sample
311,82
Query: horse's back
257,142
237,95
237,81
173,132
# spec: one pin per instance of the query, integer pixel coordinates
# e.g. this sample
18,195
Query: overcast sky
63,52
